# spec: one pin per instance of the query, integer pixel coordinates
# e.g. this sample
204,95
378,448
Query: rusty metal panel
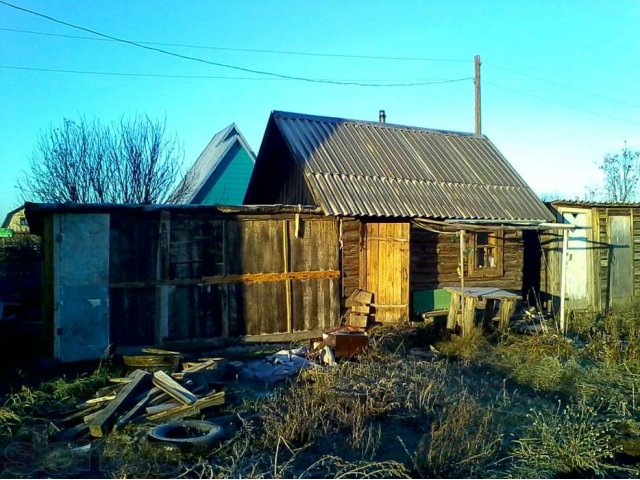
383,170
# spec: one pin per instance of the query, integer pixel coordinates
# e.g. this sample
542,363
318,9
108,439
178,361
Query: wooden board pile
145,396
359,305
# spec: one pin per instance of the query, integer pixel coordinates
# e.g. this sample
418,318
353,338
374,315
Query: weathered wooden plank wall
158,264
601,226
599,244
133,259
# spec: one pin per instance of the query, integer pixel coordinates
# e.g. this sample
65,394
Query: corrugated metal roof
211,157
589,203
379,169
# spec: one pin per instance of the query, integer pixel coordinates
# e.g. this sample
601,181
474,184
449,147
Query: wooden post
454,305
563,279
287,282
462,233
468,314
476,84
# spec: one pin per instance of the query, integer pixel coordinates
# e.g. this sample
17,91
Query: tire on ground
188,434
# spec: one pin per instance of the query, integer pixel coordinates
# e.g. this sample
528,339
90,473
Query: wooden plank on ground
182,411
137,410
96,401
80,414
173,388
154,409
104,420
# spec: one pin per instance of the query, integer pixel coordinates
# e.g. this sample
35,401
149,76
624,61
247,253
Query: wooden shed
401,193
184,275
603,261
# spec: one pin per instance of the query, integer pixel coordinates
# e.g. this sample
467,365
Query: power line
591,112
249,50
568,87
222,77
201,60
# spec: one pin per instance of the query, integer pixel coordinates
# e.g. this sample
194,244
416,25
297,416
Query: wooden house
221,173
603,260
16,221
400,194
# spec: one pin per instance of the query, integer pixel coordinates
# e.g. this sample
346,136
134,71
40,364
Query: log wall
434,262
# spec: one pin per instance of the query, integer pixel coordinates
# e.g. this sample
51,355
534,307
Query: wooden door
385,270
578,260
620,261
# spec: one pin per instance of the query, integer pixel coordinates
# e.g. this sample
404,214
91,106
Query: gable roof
211,158
377,169
9,216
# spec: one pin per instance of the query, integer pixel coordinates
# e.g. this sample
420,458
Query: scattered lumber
173,388
182,411
143,396
104,420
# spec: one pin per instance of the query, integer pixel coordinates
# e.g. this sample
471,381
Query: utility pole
476,84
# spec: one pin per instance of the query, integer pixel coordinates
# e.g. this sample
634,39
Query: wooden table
472,295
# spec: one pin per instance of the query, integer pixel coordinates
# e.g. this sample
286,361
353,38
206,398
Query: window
23,222
485,254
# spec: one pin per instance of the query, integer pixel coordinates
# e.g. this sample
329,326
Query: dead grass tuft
463,442
575,440
466,348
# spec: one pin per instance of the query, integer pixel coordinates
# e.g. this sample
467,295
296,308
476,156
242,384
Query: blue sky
560,79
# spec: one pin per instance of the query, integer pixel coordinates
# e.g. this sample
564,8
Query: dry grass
489,409
463,442
574,440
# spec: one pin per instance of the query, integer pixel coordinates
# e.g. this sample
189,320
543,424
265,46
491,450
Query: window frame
495,240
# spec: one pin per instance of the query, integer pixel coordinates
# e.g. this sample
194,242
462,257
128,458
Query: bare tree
131,161
621,174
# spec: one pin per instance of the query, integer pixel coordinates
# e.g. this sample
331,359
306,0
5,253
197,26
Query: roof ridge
373,123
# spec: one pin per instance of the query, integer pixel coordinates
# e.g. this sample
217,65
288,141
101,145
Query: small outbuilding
184,275
603,256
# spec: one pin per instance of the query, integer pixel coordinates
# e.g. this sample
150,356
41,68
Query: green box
430,300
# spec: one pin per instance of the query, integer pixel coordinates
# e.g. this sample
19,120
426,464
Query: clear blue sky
553,135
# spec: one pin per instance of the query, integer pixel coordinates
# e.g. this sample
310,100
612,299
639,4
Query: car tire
189,435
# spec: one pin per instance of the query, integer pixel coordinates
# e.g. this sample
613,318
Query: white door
578,272
81,286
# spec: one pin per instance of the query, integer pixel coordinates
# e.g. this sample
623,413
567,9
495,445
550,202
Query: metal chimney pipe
382,116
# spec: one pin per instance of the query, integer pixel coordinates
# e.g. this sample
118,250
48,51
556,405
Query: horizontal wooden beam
270,277
247,339
239,278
